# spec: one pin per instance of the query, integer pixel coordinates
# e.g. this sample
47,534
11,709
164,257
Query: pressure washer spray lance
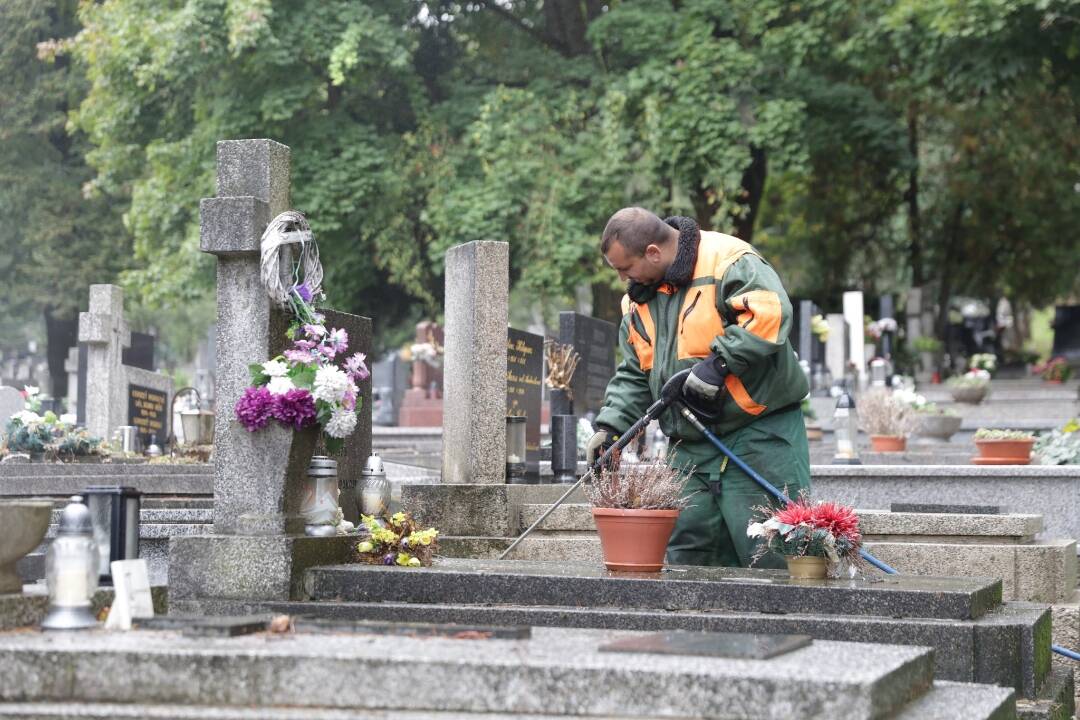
671,395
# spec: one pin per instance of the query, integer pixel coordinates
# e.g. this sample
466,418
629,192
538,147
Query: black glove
598,444
706,380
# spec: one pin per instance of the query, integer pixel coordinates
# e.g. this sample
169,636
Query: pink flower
295,408
356,367
339,339
302,357
349,399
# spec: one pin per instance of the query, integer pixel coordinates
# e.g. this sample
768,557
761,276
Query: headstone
836,346
390,379
422,404
806,333
11,402
1067,332
524,379
474,365
80,405
888,311
855,316
595,341
912,314
107,398
71,367
140,353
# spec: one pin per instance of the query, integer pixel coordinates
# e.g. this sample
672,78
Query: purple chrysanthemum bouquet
315,381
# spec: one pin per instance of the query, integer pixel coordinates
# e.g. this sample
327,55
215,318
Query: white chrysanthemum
26,417
341,424
280,385
275,368
331,382
30,390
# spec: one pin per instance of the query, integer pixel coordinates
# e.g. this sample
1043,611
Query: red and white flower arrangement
803,528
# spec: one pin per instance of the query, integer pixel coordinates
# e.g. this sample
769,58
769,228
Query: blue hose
772,489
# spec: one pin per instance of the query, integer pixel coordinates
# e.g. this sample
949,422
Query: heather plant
988,434
882,413
653,485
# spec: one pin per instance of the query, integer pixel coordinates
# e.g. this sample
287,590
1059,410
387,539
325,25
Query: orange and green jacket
735,306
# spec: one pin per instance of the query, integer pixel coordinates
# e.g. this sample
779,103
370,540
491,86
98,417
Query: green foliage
988,434
1060,446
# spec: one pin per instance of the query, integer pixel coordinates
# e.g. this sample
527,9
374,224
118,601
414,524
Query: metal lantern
846,429
515,449
114,512
71,570
374,489
198,424
319,506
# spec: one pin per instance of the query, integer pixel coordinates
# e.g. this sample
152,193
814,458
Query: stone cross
474,365
252,188
106,334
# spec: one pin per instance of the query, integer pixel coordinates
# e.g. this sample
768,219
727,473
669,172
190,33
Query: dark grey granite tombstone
887,310
595,341
140,353
524,374
1067,332
148,413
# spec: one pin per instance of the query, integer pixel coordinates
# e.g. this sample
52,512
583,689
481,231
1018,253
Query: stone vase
971,394
634,540
807,567
938,425
25,523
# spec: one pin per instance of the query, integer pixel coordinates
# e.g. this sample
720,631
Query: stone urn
25,523
940,426
971,394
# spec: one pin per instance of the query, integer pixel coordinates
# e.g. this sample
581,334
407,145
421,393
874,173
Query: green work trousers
711,530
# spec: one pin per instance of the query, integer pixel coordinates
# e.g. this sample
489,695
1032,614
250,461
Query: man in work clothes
708,301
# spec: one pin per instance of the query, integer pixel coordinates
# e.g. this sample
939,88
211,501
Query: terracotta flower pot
814,433
808,567
634,540
1004,452
888,443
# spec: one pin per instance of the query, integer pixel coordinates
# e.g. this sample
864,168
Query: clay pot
814,433
888,443
808,567
1004,452
634,540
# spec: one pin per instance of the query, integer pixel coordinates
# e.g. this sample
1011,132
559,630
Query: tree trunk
753,184
945,288
915,242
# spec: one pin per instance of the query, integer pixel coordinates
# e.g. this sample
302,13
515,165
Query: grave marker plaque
524,373
147,410
595,341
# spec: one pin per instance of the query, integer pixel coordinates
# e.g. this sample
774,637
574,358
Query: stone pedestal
474,406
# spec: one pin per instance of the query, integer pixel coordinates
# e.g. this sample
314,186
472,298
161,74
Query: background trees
876,144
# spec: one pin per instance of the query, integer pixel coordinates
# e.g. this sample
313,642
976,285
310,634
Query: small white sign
131,583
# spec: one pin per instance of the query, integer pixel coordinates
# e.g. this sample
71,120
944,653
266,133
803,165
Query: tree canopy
872,144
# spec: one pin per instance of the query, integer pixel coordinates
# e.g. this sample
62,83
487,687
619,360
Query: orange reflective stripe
699,322
741,397
643,345
760,313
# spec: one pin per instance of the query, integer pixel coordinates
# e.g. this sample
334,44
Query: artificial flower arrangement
30,432
1054,370
313,382
397,542
809,529
975,377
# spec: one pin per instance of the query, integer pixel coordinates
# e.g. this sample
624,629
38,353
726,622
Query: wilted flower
255,408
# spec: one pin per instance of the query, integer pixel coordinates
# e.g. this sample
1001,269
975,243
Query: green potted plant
886,418
1003,447
1061,446
635,507
816,539
972,387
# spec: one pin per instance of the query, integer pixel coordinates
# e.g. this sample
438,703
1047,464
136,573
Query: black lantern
114,511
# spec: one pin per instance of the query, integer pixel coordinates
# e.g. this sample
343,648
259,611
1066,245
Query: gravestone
390,378
421,404
71,367
11,402
594,340
836,346
1067,332
524,377
855,316
887,311
110,400
474,364
255,552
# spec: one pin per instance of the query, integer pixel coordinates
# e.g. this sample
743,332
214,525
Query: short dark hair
635,229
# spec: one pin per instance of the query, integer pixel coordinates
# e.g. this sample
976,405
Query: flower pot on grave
561,404
971,394
634,540
888,443
276,469
1004,452
807,567
814,433
938,425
